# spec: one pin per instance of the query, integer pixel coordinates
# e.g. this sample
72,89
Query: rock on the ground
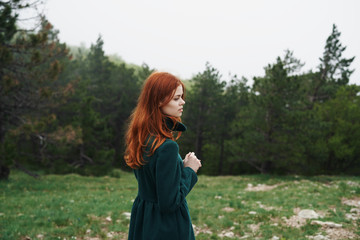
308,214
318,237
326,224
228,234
228,209
127,215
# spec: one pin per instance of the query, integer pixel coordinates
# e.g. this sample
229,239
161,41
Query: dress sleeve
173,181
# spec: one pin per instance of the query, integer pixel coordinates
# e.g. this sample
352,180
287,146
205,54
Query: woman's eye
176,99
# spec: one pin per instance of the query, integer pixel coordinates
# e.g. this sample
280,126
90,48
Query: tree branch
22,168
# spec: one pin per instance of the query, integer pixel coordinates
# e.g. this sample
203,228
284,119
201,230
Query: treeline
65,111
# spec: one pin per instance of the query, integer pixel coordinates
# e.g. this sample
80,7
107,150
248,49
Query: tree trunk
221,158
266,167
199,134
4,170
199,140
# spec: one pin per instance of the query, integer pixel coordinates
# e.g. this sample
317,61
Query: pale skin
175,108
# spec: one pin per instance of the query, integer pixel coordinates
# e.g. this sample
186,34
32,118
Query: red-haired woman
160,209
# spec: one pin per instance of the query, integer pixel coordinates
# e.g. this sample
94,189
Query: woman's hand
192,161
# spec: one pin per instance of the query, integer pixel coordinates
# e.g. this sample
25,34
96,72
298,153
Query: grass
77,207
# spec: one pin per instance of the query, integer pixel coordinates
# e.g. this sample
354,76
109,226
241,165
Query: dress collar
174,126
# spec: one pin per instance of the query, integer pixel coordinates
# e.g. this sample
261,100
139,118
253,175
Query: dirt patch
354,202
254,227
294,221
299,219
334,234
340,233
227,233
203,229
261,187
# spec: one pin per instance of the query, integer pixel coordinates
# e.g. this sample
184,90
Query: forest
64,109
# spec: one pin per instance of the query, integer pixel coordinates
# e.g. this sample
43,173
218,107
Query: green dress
160,210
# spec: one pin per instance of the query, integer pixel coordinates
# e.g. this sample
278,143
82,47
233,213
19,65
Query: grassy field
233,207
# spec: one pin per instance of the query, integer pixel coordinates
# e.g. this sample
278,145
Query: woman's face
174,108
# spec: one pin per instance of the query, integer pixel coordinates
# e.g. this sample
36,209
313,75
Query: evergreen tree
341,118
267,126
29,67
334,69
202,115
234,99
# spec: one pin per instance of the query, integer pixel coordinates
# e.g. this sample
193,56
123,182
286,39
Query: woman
160,210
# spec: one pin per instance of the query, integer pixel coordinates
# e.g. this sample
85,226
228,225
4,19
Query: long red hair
147,120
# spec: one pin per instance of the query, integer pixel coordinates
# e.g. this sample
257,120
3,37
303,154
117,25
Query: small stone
88,231
319,237
229,234
351,216
226,234
244,237
252,212
228,209
275,238
351,202
127,215
327,224
308,214
355,210
108,219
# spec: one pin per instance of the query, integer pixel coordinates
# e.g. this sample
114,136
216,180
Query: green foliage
31,62
62,113
267,126
334,68
204,103
341,116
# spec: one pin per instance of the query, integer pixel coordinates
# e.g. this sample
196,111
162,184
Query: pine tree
29,67
334,69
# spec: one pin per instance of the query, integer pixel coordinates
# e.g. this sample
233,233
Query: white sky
236,36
